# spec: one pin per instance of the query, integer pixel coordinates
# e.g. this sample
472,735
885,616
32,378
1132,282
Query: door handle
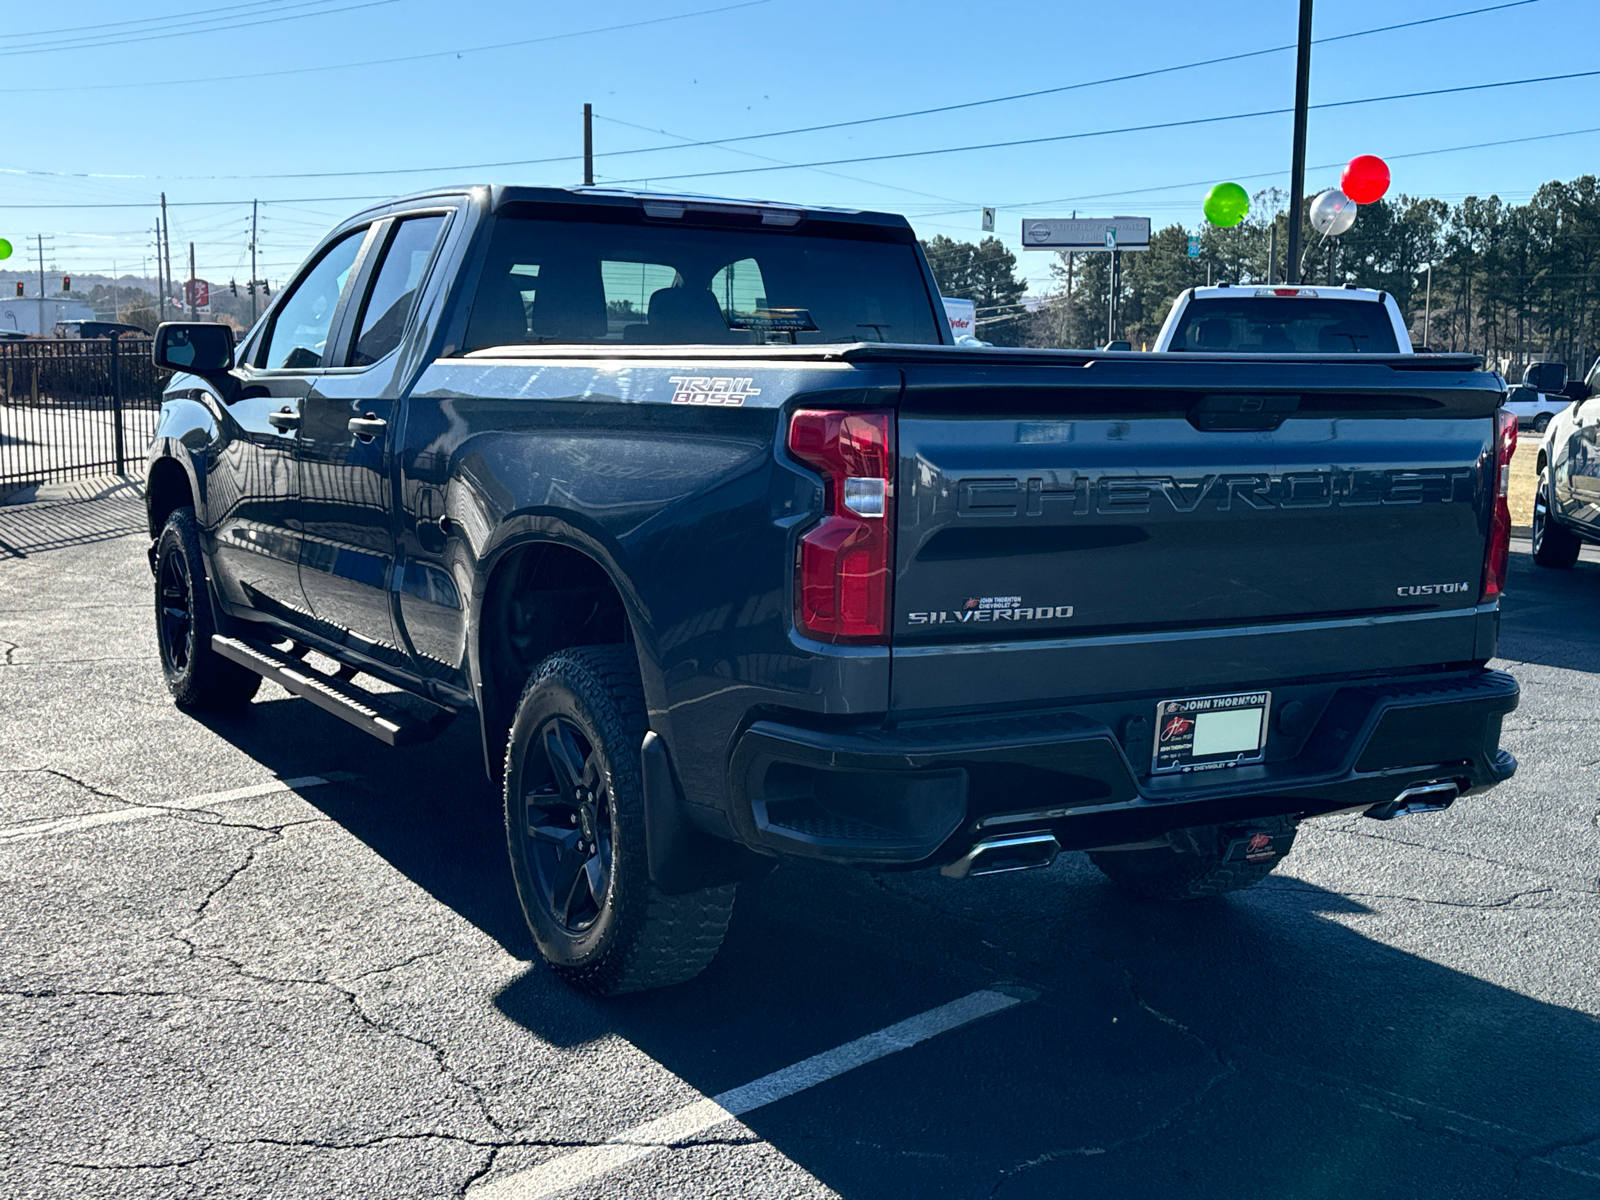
366,427
285,418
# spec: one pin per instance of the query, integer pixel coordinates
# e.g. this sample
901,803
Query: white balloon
1332,213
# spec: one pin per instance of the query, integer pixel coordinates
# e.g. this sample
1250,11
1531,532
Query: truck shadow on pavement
1262,1044
1258,1042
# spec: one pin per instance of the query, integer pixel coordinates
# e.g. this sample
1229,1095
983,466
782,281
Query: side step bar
368,712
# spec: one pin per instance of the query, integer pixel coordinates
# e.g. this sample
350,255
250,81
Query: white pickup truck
1284,319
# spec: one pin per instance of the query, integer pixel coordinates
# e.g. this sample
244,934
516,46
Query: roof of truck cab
1320,291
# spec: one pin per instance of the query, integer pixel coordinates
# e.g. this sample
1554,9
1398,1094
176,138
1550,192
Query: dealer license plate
1206,733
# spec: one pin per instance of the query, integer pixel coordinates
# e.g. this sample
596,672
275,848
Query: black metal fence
70,409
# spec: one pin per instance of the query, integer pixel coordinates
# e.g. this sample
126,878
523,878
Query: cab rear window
1285,325
583,282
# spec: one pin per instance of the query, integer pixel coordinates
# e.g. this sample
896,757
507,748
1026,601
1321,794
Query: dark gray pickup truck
733,557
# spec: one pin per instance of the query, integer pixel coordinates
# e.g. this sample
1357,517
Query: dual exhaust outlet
1025,851
1018,852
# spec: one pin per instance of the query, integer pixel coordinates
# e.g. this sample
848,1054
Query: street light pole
1427,307
1297,168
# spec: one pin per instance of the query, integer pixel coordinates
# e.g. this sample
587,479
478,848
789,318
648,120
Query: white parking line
572,1170
30,830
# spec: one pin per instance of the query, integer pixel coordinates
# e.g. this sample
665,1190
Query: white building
40,316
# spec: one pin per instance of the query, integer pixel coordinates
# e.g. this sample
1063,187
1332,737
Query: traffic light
265,290
233,286
20,292
66,283
250,287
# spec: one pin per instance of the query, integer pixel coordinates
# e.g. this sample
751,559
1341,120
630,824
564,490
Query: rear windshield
556,281
1285,325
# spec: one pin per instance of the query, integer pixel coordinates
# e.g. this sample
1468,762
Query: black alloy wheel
574,808
567,825
196,675
175,614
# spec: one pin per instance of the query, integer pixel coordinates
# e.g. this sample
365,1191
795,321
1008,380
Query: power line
686,144
1068,137
381,62
1071,87
103,25
123,40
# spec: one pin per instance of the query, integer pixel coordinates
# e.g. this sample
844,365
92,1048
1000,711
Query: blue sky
208,107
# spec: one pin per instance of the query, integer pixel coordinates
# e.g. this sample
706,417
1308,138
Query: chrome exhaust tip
1020,852
1425,797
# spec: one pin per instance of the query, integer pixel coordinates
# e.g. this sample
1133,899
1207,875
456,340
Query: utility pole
166,247
161,308
1297,168
588,145
41,284
116,303
255,206
194,311
1272,248
1427,307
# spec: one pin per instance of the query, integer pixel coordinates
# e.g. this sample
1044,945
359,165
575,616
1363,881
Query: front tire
1194,867
1554,545
196,675
1541,423
574,805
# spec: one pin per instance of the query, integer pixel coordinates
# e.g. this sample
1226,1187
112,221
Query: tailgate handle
1246,411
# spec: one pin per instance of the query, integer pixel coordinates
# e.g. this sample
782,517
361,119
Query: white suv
1284,319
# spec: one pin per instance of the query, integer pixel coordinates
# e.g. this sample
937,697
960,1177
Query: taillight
846,564
1498,550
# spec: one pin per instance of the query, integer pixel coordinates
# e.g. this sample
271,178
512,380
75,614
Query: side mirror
1118,345
1546,377
200,348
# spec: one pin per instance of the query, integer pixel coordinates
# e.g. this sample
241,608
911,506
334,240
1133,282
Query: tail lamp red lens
845,567
1498,551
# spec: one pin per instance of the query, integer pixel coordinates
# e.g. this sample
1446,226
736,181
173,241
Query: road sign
1087,234
198,294
1194,245
988,220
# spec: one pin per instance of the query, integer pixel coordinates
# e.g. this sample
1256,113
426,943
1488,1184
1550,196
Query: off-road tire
1554,545
1172,874
638,937
196,675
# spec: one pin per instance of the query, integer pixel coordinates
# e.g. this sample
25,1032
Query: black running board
367,711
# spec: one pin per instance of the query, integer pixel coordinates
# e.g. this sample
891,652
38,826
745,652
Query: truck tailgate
1106,525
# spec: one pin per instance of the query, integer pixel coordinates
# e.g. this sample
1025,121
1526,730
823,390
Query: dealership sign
1087,234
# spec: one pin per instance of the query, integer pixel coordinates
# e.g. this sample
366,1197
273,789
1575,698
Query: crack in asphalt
1396,841
1547,1150
10,649
1289,885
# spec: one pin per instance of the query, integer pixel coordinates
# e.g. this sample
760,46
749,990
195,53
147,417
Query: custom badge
723,391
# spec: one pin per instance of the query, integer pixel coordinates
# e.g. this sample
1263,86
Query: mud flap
683,858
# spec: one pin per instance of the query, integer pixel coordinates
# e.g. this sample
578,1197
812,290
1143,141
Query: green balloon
1226,205
5,248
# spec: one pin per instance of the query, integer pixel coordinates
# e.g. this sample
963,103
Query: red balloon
1365,178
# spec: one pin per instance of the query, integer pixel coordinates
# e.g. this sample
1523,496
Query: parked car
1532,407
1284,319
732,557
97,329
1566,506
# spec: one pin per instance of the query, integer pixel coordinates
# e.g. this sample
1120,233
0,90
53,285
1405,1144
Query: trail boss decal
723,391
993,608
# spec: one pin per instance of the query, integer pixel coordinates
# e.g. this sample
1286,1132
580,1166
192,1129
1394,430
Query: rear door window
394,288
1285,325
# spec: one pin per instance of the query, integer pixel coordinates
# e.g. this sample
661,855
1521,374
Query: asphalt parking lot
264,955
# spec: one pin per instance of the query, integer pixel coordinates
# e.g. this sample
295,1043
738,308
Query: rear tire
1554,545
1541,423
1196,871
197,676
574,806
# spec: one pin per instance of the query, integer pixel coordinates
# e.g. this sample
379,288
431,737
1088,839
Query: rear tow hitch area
1020,852
1255,845
1425,797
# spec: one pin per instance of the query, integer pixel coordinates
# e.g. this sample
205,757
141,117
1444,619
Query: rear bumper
926,792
